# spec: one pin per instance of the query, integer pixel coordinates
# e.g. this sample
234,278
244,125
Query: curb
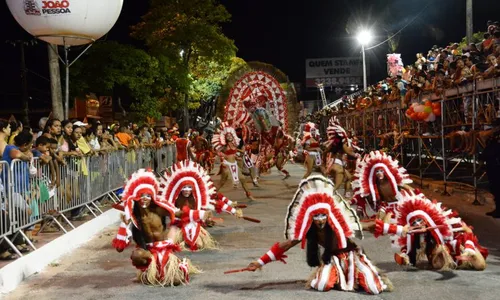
14,273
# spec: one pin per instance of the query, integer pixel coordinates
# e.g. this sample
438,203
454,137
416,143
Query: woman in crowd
16,127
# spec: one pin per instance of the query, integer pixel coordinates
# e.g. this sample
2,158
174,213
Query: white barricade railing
5,216
30,192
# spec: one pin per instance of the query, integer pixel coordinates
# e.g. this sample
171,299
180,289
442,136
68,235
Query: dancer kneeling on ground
147,221
318,216
188,187
423,230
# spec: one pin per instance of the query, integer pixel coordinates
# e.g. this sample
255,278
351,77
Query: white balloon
78,21
431,118
418,108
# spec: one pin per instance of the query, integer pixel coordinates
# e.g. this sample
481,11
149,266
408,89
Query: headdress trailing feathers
219,139
364,183
414,208
334,131
317,195
188,173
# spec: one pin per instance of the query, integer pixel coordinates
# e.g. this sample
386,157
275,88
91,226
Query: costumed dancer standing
319,216
202,151
311,146
339,145
147,221
283,145
246,162
183,147
226,144
188,187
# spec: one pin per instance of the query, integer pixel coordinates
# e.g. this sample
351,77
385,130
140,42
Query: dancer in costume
311,146
377,182
253,152
188,187
226,144
283,145
147,220
183,147
339,144
245,164
319,216
425,230
202,151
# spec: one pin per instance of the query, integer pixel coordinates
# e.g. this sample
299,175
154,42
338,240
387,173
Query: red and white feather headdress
364,181
416,207
219,139
335,131
184,174
140,182
309,126
317,195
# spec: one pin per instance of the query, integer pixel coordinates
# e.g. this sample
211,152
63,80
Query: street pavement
96,271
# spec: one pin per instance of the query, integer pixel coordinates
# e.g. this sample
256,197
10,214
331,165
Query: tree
55,82
208,78
113,68
186,31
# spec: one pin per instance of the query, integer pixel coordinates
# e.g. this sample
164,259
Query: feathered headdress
335,131
184,174
140,182
364,181
309,126
219,139
190,175
317,195
417,209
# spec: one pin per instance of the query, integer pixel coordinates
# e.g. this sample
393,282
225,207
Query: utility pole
55,82
469,21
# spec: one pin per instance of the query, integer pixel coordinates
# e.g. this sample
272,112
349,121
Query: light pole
364,37
469,23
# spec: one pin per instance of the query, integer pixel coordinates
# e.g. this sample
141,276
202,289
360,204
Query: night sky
282,33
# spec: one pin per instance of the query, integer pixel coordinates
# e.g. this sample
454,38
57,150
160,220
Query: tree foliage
108,66
192,26
189,33
158,79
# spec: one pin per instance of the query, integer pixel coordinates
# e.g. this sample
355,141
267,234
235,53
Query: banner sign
334,71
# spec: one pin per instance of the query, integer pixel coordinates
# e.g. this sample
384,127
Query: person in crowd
16,127
108,142
124,137
41,125
67,146
21,190
4,134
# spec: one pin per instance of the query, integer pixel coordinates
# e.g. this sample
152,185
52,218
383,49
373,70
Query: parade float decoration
258,98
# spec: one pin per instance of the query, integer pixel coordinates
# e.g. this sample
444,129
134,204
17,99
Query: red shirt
182,149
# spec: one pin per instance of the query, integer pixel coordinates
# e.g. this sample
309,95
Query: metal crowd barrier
30,193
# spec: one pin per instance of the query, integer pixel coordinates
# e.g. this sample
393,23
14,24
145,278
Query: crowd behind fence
30,194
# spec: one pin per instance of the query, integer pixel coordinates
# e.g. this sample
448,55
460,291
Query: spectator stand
425,148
